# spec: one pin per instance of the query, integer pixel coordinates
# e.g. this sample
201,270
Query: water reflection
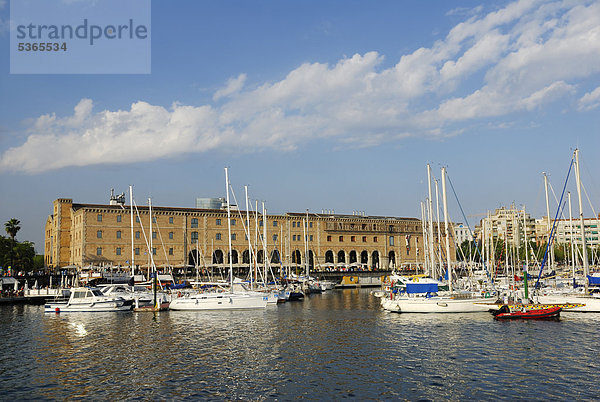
335,345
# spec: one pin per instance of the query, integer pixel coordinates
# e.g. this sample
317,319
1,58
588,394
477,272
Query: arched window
375,260
392,259
352,257
234,257
329,256
217,257
296,257
275,257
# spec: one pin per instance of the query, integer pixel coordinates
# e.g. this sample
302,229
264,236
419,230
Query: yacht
218,301
88,300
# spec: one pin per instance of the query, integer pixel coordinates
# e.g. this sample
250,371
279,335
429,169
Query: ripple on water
333,346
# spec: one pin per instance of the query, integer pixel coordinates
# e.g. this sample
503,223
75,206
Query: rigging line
556,199
146,239
537,283
162,243
468,226
590,176
588,198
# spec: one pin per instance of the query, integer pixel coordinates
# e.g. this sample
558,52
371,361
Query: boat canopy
421,288
593,280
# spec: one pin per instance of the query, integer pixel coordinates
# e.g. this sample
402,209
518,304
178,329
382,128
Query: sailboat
424,297
157,304
230,300
575,302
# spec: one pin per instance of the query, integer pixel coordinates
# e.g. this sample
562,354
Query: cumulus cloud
515,59
590,100
233,86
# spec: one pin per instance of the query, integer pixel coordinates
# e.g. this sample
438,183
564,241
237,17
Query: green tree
12,228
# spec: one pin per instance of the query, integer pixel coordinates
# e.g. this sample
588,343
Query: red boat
505,313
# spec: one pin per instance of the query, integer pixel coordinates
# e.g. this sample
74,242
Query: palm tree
12,227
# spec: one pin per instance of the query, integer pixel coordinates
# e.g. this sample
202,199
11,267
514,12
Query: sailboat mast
249,241
304,229
549,225
425,248
586,269
264,242
229,230
430,224
445,201
439,230
154,274
571,237
526,269
132,245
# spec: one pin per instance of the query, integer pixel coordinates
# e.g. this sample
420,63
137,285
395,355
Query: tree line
20,256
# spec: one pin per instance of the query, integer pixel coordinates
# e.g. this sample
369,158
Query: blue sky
316,105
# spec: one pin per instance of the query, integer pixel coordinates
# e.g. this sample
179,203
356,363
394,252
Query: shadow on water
339,344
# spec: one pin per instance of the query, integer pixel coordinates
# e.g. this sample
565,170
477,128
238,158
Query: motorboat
88,300
527,313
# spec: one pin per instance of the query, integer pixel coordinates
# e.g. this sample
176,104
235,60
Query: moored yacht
88,300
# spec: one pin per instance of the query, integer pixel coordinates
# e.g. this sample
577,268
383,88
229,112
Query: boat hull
574,303
102,306
225,301
435,305
530,314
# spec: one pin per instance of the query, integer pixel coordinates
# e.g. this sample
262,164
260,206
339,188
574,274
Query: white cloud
233,86
515,59
590,100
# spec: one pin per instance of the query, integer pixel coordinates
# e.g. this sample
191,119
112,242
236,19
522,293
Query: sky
329,104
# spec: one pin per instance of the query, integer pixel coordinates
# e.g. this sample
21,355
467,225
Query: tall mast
229,230
248,236
425,249
305,230
586,269
445,201
256,239
154,274
439,230
264,242
571,237
150,213
132,245
526,254
548,225
430,225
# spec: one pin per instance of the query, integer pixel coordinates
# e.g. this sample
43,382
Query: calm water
331,346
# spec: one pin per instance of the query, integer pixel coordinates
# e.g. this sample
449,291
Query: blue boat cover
421,288
593,280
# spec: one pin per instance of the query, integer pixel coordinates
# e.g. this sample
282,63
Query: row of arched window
218,257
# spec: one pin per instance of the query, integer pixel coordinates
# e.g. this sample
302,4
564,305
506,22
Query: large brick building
101,235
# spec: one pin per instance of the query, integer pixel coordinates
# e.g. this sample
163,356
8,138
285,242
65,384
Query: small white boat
88,300
218,301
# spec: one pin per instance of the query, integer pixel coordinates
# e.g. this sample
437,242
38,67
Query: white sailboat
221,301
426,299
576,302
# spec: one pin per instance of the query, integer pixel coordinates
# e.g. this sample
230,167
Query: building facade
510,224
80,235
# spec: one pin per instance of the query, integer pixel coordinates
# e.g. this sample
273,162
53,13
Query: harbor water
339,344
